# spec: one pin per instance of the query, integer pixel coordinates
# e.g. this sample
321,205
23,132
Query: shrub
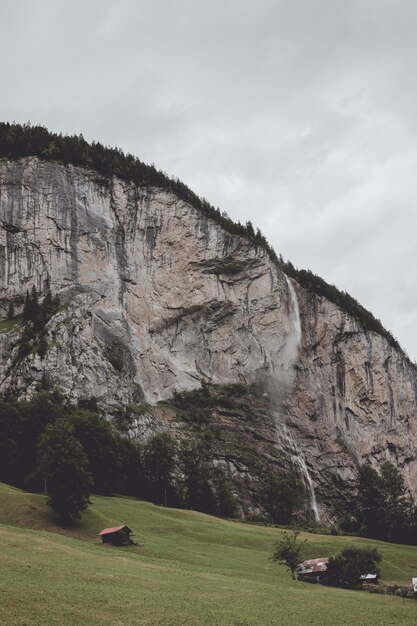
347,568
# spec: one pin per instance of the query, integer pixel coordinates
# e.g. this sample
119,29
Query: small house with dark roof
118,535
312,570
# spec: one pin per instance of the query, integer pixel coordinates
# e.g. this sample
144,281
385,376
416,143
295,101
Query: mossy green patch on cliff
223,417
198,405
125,417
188,568
8,325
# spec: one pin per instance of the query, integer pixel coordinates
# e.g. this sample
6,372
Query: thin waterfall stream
298,460
293,343
290,355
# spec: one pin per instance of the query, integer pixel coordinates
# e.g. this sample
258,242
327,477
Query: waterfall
298,460
290,355
294,337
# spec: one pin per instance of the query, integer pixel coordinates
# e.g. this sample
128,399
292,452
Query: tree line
47,444
384,508
68,451
18,140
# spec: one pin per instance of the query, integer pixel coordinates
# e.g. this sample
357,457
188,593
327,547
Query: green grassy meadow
188,569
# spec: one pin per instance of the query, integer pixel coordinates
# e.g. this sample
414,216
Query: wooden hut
118,535
312,570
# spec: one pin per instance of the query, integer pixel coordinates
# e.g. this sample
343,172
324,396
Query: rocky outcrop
158,298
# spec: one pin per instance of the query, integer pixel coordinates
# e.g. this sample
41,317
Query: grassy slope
188,569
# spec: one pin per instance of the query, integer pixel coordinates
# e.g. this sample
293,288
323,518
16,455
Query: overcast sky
300,115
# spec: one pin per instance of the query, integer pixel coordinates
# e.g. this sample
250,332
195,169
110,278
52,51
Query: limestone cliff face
354,399
158,298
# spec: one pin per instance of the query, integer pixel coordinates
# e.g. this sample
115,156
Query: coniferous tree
25,345
34,305
282,496
10,310
159,464
131,478
47,307
63,465
10,443
35,415
199,492
398,506
225,501
100,445
371,502
43,346
31,309
250,230
385,510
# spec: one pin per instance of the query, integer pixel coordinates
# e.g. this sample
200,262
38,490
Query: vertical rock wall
158,298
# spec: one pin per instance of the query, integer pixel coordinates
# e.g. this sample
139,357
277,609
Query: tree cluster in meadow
346,569
70,451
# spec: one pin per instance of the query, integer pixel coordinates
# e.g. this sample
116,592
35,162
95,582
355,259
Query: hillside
188,568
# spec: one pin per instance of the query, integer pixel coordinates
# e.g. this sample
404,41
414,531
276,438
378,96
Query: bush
347,568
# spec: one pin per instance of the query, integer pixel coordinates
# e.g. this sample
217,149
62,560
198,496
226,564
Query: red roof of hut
115,529
313,566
